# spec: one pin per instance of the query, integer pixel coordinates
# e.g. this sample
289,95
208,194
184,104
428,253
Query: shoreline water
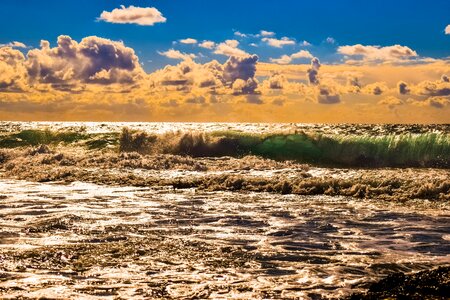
78,216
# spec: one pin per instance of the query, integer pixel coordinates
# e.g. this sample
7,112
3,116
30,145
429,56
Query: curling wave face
357,146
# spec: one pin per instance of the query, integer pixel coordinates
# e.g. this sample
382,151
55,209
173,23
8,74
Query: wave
340,150
404,150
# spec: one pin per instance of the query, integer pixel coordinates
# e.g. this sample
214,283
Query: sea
218,210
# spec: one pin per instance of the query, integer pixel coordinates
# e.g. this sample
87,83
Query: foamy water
87,240
163,127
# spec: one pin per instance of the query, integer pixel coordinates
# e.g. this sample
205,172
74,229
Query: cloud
230,48
376,88
403,88
14,44
313,71
435,102
240,68
207,44
146,16
93,60
390,101
445,78
99,79
254,99
372,54
175,54
447,29
353,81
241,86
188,41
266,33
240,34
330,40
327,95
278,43
235,76
286,59
13,74
275,82
305,44
433,88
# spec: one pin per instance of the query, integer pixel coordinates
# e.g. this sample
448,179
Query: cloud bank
100,79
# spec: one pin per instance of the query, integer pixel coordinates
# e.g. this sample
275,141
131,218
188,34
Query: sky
237,61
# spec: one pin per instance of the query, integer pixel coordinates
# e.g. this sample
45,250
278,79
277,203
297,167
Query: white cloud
133,15
175,54
230,48
14,44
188,41
266,33
377,53
305,43
447,29
240,34
286,59
278,43
207,44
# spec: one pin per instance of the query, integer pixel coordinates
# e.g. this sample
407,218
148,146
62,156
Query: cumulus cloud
14,44
13,74
286,59
275,82
327,95
235,76
305,44
95,73
175,54
403,88
240,34
447,29
240,68
436,102
189,41
230,48
266,33
241,86
313,71
278,43
93,60
372,54
146,16
376,88
433,88
353,81
207,44
390,101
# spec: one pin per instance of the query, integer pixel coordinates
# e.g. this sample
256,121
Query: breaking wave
404,150
340,150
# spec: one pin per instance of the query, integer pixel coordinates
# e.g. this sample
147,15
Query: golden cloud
99,79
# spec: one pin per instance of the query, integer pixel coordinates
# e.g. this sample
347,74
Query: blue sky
415,24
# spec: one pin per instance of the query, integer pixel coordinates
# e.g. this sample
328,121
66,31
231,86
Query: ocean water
247,211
